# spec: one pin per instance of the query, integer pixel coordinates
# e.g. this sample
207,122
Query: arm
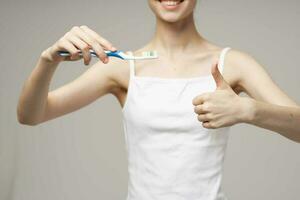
94,83
37,105
270,107
33,98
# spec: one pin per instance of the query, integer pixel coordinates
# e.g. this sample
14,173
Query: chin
172,10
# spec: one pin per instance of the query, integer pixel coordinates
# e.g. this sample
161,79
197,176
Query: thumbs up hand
219,79
220,108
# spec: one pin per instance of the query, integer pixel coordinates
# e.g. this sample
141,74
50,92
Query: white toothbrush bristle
152,54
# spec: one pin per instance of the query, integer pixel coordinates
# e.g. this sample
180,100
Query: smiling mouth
170,2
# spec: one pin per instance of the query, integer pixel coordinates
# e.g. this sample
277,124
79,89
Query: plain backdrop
82,155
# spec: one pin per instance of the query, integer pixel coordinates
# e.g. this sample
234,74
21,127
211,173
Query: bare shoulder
117,71
237,57
237,64
120,75
232,61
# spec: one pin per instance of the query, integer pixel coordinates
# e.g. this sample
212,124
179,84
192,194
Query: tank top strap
222,59
131,65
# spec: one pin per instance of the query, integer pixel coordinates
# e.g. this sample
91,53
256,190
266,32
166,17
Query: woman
177,109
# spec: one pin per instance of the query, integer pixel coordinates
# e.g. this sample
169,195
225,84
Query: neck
173,38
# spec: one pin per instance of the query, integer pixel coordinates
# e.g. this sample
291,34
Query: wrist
48,58
248,110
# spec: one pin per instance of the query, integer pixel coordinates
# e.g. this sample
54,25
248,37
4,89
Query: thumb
219,79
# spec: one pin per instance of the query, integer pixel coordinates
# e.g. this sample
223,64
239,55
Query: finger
200,109
216,74
78,43
86,55
99,51
203,117
200,99
92,42
81,45
106,44
206,124
102,54
76,33
67,45
219,79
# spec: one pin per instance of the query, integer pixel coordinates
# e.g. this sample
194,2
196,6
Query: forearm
33,98
284,120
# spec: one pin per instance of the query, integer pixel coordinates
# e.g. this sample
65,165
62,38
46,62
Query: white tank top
171,156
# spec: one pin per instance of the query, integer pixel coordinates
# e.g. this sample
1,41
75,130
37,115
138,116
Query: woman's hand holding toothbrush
79,38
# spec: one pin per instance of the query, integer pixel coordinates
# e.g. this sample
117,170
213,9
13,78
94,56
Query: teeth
171,3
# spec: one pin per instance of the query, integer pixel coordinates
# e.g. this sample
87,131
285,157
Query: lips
170,4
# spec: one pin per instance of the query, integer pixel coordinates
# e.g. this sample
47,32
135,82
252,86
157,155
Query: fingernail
105,60
113,48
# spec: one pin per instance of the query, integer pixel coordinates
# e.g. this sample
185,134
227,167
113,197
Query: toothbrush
119,54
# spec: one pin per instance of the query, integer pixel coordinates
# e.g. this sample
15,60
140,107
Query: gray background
82,155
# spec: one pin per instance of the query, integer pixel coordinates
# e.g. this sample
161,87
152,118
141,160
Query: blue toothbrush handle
114,54
108,53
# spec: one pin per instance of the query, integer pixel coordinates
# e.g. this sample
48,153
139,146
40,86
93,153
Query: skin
266,105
